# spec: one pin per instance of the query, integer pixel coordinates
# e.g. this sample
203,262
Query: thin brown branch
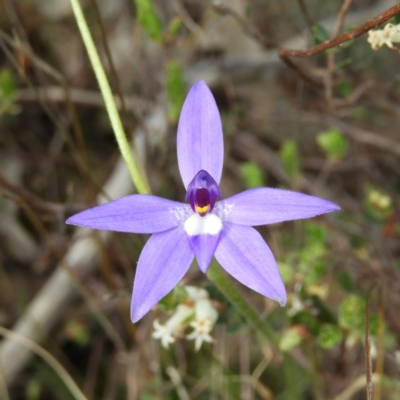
345,37
330,61
341,16
285,53
35,201
90,98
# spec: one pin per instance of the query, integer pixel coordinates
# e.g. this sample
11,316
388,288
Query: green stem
224,284
108,99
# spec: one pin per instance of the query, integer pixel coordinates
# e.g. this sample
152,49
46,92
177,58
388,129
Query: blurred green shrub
252,175
333,143
175,89
149,20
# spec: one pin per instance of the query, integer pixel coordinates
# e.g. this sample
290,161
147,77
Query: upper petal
200,143
263,206
162,264
243,253
138,213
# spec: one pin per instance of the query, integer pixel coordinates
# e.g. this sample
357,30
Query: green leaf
333,143
252,175
290,158
169,303
33,389
315,233
175,89
344,88
329,336
352,313
174,26
149,20
320,34
8,85
290,339
346,281
396,19
306,319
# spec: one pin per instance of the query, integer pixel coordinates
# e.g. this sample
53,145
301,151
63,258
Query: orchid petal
135,213
243,253
162,264
263,206
200,143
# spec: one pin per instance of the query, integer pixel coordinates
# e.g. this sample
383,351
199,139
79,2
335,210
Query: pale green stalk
223,283
108,98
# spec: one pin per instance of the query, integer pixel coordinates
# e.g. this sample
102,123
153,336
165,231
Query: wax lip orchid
205,227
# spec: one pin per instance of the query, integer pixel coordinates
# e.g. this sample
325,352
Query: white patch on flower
223,209
209,224
181,214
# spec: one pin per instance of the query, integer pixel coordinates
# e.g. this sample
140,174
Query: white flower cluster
388,35
197,312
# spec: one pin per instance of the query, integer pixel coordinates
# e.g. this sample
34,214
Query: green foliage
33,389
312,257
8,85
344,88
175,89
308,320
352,314
78,332
396,19
329,336
286,271
290,159
174,26
346,281
252,175
169,303
149,20
333,143
8,89
315,233
320,34
377,204
290,339
312,263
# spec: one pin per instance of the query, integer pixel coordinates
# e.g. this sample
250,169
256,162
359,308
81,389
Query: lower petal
203,234
162,264
243,253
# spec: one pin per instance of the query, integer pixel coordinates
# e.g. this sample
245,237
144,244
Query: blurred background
332,132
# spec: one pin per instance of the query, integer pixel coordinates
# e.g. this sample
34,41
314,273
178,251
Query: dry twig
285,53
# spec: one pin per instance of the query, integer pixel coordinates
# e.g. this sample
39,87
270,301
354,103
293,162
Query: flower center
202,193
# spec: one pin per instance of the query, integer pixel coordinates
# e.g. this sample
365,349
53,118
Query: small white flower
167,332
388,35
206,316
195,293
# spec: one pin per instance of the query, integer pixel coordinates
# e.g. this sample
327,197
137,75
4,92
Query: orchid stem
108,99
224,284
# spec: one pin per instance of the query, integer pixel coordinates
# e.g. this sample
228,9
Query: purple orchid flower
203,228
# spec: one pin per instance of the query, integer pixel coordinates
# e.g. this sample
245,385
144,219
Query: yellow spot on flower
202,210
